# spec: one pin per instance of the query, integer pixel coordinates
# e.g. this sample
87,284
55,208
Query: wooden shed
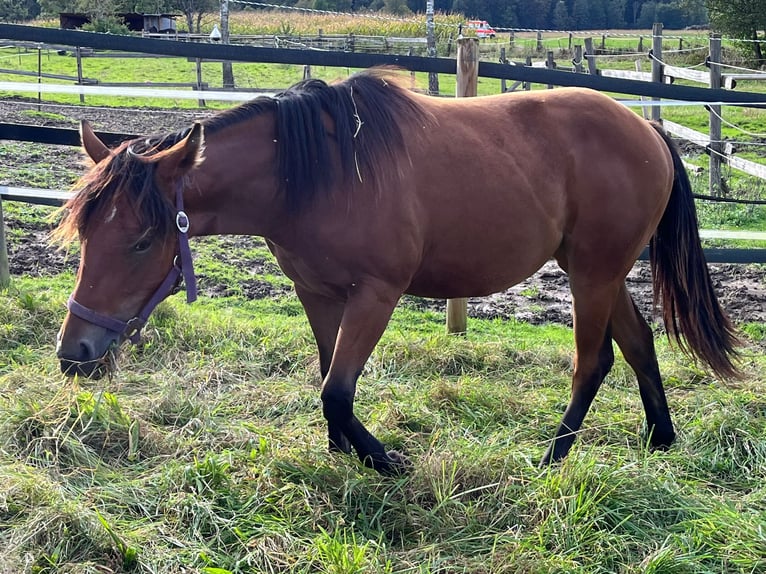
134,21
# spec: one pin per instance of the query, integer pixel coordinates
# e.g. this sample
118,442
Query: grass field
206,451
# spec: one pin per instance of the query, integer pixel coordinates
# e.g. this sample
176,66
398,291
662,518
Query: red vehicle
482,28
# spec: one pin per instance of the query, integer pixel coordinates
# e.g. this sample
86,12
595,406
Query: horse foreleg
635,339
324,315
593,360
365,317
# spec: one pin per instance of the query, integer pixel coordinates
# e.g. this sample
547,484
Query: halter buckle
133,329
182,221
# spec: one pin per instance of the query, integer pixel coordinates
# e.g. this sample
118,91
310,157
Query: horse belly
474,269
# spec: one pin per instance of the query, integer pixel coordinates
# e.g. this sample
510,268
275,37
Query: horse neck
234,189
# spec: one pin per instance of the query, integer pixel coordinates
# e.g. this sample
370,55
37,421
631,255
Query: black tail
690,308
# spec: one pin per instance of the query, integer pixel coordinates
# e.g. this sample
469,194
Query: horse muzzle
81,358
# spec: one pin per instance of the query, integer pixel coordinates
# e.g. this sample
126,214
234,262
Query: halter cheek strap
131,329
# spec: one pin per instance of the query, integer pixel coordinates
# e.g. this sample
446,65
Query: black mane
366,112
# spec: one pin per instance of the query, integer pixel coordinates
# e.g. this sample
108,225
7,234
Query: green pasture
206,451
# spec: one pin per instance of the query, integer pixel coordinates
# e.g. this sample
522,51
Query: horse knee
337,404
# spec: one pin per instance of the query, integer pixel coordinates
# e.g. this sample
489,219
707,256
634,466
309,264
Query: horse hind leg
324,317
594,358
636,341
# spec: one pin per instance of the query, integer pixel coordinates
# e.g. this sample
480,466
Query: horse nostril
87,351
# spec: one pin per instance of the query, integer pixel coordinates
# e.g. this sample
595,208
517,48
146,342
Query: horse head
131,233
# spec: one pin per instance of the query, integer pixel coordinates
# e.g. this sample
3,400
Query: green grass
207,452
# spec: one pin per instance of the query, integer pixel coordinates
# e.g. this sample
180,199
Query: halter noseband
131,329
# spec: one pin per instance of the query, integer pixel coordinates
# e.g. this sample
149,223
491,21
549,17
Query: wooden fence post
577,60
78,54
657,71
550,64
227,70
589,54
5,271
198,67
466,86
527,62
714,122
503,81
433,77
645,110
467,80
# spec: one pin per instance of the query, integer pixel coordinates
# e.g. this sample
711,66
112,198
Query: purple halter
131,329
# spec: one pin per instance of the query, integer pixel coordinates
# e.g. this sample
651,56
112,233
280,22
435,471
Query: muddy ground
543,298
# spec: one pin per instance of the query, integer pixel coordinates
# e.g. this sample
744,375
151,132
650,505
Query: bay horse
365,190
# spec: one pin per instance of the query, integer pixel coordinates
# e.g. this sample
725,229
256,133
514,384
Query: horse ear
184,155
93,146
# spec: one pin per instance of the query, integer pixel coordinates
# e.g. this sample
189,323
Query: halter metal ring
182,221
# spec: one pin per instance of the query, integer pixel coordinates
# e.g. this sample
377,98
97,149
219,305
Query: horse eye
142,245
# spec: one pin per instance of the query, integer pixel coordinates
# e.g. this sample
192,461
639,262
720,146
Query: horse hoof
660,442
662,445
399,464
393,463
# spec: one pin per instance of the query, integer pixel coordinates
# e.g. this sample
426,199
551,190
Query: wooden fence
714,78
523,74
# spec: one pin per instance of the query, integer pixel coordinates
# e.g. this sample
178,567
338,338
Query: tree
740,19
398,7
648,15
580,13
561,19
671,15
193,10
596,15
18,10
53,7
615,10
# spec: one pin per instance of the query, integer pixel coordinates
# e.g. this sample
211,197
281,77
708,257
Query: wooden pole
39,75
466,86
714,122
657,68
226,67
646,110
433,77
78,54
577,60
527,62
467,80
589,54
198,67
5,271
503,82
550,64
